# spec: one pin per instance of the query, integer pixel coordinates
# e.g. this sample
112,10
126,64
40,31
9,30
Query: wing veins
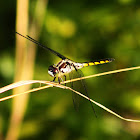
85,88
43,46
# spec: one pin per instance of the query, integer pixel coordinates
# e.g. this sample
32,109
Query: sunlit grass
52,84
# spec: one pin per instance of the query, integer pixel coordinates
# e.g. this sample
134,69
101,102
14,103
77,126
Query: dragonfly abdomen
97,62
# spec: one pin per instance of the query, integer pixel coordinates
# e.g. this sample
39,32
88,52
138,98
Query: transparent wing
79,86
74,85
43,46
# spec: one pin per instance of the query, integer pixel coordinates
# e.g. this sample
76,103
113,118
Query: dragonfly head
52,71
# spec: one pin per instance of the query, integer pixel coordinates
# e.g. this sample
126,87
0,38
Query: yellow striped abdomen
101,61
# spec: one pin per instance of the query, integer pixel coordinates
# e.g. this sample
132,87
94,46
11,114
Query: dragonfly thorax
62,68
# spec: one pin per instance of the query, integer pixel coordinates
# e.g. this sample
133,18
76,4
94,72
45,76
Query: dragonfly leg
65,79
74,67
59,80
54,79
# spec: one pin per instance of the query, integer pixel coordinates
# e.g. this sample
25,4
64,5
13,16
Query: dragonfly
66,65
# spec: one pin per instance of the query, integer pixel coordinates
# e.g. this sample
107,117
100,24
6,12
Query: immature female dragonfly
66,65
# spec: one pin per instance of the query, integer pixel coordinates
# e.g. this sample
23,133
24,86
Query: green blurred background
82,30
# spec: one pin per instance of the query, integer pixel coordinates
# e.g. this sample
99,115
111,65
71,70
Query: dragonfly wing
43,46
85,91
79,86
75,97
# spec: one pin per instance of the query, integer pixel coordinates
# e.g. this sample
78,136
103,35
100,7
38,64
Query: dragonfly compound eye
52,71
